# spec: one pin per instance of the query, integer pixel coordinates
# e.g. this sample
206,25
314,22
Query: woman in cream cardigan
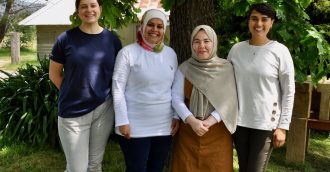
265,86
204,96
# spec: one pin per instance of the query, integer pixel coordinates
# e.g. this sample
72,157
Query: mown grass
22,158
26,56
317,156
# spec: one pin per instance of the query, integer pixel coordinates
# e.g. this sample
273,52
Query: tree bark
15,47
4,21
183,19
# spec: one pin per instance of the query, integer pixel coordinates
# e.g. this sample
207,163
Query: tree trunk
5,19
15,47
183,19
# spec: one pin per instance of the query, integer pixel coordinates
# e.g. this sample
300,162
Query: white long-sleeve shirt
265,84
178,98
142,83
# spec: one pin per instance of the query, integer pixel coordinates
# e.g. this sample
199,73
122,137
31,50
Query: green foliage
28,106
27,33
115,14
167,4
319,11
309,48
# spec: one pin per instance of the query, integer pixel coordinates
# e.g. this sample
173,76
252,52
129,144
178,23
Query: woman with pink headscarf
142,84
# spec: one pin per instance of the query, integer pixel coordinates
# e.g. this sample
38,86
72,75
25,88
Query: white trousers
84,138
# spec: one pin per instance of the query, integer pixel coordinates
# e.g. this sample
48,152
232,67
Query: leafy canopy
309,48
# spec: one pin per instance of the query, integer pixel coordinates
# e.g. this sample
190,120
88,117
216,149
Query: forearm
55,73
57,81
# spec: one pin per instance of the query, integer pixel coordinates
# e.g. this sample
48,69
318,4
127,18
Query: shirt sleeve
119,80
57,53
287,83
216,115
178,96
230,54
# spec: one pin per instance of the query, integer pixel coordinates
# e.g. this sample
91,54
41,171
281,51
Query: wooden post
297,135
324,88
15,47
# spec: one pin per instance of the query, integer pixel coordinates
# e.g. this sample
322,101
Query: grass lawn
27,56
22,158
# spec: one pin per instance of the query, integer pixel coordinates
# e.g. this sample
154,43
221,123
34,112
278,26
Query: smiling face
89,11
259,25
202,45
154,31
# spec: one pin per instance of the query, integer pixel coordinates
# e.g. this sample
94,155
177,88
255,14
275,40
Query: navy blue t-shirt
88,61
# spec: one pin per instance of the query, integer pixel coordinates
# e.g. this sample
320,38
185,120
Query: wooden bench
319,117
309,112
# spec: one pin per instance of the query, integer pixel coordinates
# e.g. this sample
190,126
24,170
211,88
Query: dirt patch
3,62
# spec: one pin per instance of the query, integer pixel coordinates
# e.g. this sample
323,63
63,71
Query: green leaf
304,3
167,4
18,125
320,47
241,8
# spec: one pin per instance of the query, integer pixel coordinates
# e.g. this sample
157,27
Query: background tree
11,12
27,33
4,19
319,12
185,15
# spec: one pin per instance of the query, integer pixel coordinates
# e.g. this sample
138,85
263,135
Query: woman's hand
125,131
197,125
279,137
175,126
209,121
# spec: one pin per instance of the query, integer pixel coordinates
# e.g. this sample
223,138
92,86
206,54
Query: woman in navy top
81,67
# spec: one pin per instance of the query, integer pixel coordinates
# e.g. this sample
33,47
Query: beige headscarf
213,83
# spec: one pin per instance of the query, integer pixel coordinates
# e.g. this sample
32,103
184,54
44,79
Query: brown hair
78,2
264,9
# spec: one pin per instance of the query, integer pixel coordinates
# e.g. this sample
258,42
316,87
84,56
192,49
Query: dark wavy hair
78,2
264,9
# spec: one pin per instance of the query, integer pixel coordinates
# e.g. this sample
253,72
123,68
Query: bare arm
55,73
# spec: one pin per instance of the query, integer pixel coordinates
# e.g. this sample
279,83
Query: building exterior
53,19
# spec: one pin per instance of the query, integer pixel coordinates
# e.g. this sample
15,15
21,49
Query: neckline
91,34
269,42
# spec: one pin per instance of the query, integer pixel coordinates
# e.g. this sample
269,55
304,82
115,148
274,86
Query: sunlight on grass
20,157
4,151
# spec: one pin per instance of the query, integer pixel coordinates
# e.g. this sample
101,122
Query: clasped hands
200,127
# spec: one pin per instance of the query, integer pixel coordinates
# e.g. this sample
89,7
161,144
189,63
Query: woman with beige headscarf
204,96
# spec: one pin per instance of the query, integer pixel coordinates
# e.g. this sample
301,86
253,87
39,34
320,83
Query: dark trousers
253,148
146,154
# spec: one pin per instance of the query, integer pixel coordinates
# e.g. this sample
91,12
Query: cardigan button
275,104
274,112
272,119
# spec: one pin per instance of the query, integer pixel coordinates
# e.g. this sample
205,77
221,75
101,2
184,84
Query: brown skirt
213,152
